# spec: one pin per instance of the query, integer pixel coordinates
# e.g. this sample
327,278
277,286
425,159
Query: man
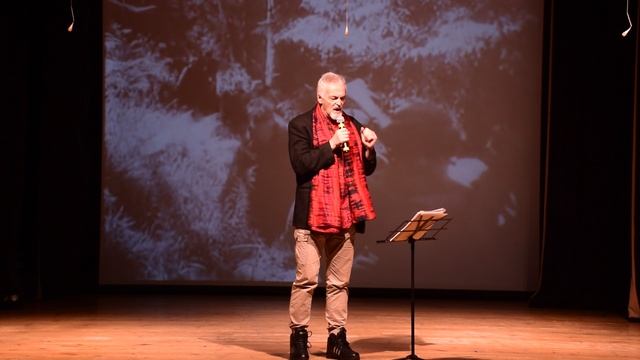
331,154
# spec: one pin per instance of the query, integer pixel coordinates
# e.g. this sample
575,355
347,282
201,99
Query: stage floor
209,326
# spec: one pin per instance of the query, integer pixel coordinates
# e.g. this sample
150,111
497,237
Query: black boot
338,347
298,344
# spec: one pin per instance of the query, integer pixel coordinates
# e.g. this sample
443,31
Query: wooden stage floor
210,326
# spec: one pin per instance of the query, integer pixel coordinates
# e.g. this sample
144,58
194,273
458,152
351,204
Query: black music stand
424,225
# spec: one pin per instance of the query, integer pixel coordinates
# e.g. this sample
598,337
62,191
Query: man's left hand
369,137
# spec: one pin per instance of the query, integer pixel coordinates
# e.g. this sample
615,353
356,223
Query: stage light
73,18
624,33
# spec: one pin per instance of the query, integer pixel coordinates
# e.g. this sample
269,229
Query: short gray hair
329,78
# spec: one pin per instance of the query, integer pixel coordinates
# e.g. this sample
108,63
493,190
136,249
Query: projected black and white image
197,185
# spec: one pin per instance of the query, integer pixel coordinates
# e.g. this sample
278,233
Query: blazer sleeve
306,159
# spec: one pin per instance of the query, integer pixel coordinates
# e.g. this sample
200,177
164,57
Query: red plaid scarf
339,195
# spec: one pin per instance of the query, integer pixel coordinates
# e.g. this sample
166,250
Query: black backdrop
589,92
52,135
51,129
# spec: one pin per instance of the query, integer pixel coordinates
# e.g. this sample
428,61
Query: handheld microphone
340,121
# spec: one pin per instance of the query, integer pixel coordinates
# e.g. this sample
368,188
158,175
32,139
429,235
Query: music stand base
413,357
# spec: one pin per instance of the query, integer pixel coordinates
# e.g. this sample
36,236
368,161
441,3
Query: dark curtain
587,141
634,300
51,149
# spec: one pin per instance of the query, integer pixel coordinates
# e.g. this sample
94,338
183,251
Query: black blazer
307,161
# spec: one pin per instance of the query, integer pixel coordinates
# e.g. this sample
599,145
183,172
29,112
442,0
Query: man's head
332,93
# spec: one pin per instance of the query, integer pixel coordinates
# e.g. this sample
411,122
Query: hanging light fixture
73,17
346,19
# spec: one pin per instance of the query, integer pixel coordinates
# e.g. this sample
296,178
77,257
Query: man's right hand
339,137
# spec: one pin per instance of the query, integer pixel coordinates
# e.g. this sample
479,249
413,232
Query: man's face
331,98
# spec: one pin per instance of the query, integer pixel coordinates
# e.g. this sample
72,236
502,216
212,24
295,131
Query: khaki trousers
339,252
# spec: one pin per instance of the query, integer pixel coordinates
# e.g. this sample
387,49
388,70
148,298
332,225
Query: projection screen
197,187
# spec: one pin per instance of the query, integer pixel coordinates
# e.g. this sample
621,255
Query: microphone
340,121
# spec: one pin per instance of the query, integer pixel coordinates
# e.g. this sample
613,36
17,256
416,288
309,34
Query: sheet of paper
419,224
